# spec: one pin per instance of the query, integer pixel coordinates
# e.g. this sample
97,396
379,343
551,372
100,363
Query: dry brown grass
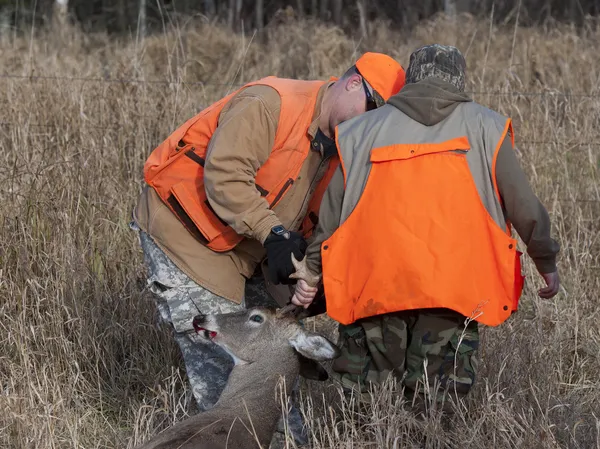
82,363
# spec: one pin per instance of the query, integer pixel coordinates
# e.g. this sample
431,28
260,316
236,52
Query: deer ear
310,369
314,346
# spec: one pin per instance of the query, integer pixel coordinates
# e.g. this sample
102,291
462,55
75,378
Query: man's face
354,97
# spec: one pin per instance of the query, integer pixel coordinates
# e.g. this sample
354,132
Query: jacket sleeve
240,145
524,210
330,213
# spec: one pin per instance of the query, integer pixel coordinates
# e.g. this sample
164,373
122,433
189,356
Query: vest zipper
288,183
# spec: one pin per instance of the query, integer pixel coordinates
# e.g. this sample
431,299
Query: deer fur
266,353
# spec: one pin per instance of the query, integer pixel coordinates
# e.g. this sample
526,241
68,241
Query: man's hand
552,285
306,288
304,294
280,248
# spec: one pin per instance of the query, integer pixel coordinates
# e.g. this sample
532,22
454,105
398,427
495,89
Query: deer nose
198,320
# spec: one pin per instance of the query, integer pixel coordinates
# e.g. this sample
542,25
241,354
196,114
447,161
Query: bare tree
324,9
259,11
210,8
314,7
4,24
61,9
362,17
233,14
336,9
122,15
450,7
142,19
300,6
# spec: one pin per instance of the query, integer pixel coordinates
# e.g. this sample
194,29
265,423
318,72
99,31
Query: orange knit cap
383,73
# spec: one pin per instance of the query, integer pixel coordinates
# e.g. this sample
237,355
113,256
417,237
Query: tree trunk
61,9
362,17
407,10
324,10
4,25
337,12
122,15
314,8
209,8
238,14
464,6
231,14
142,19
300,6
259,15
450,7
60,16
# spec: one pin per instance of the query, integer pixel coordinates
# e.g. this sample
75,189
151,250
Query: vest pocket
201,215
185,219
287,184
405,151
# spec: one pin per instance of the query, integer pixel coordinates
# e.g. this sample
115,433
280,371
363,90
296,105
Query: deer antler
292,310
289,309
302,272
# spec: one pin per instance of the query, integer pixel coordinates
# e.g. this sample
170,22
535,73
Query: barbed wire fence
548,94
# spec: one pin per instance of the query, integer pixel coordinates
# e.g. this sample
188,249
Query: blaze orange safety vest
420,237
175,169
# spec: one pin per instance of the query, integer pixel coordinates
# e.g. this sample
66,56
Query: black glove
280,248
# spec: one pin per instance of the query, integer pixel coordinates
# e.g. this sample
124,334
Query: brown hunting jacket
244,136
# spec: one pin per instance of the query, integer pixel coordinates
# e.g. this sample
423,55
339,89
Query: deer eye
257,318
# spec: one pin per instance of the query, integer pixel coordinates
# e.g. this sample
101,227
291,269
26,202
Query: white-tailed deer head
251,335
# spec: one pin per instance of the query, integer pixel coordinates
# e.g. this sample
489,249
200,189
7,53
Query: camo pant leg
179,299
371,350
442,354
256,294
416,347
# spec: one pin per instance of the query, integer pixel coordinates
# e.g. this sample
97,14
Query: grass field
82,362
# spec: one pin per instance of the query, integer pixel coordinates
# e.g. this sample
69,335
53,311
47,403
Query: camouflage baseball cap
440,61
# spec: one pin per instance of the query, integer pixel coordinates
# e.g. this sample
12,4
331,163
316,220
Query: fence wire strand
109,80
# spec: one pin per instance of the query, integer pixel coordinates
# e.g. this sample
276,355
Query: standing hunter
414,233
242,180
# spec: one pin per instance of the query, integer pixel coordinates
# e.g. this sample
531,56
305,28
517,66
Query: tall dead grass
82,363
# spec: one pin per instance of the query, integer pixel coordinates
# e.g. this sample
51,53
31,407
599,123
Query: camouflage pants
426,348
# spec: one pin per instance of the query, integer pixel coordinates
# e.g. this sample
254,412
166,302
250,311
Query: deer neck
260,379
255,390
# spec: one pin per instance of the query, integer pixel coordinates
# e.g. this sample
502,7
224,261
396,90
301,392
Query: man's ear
354,82
314,346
